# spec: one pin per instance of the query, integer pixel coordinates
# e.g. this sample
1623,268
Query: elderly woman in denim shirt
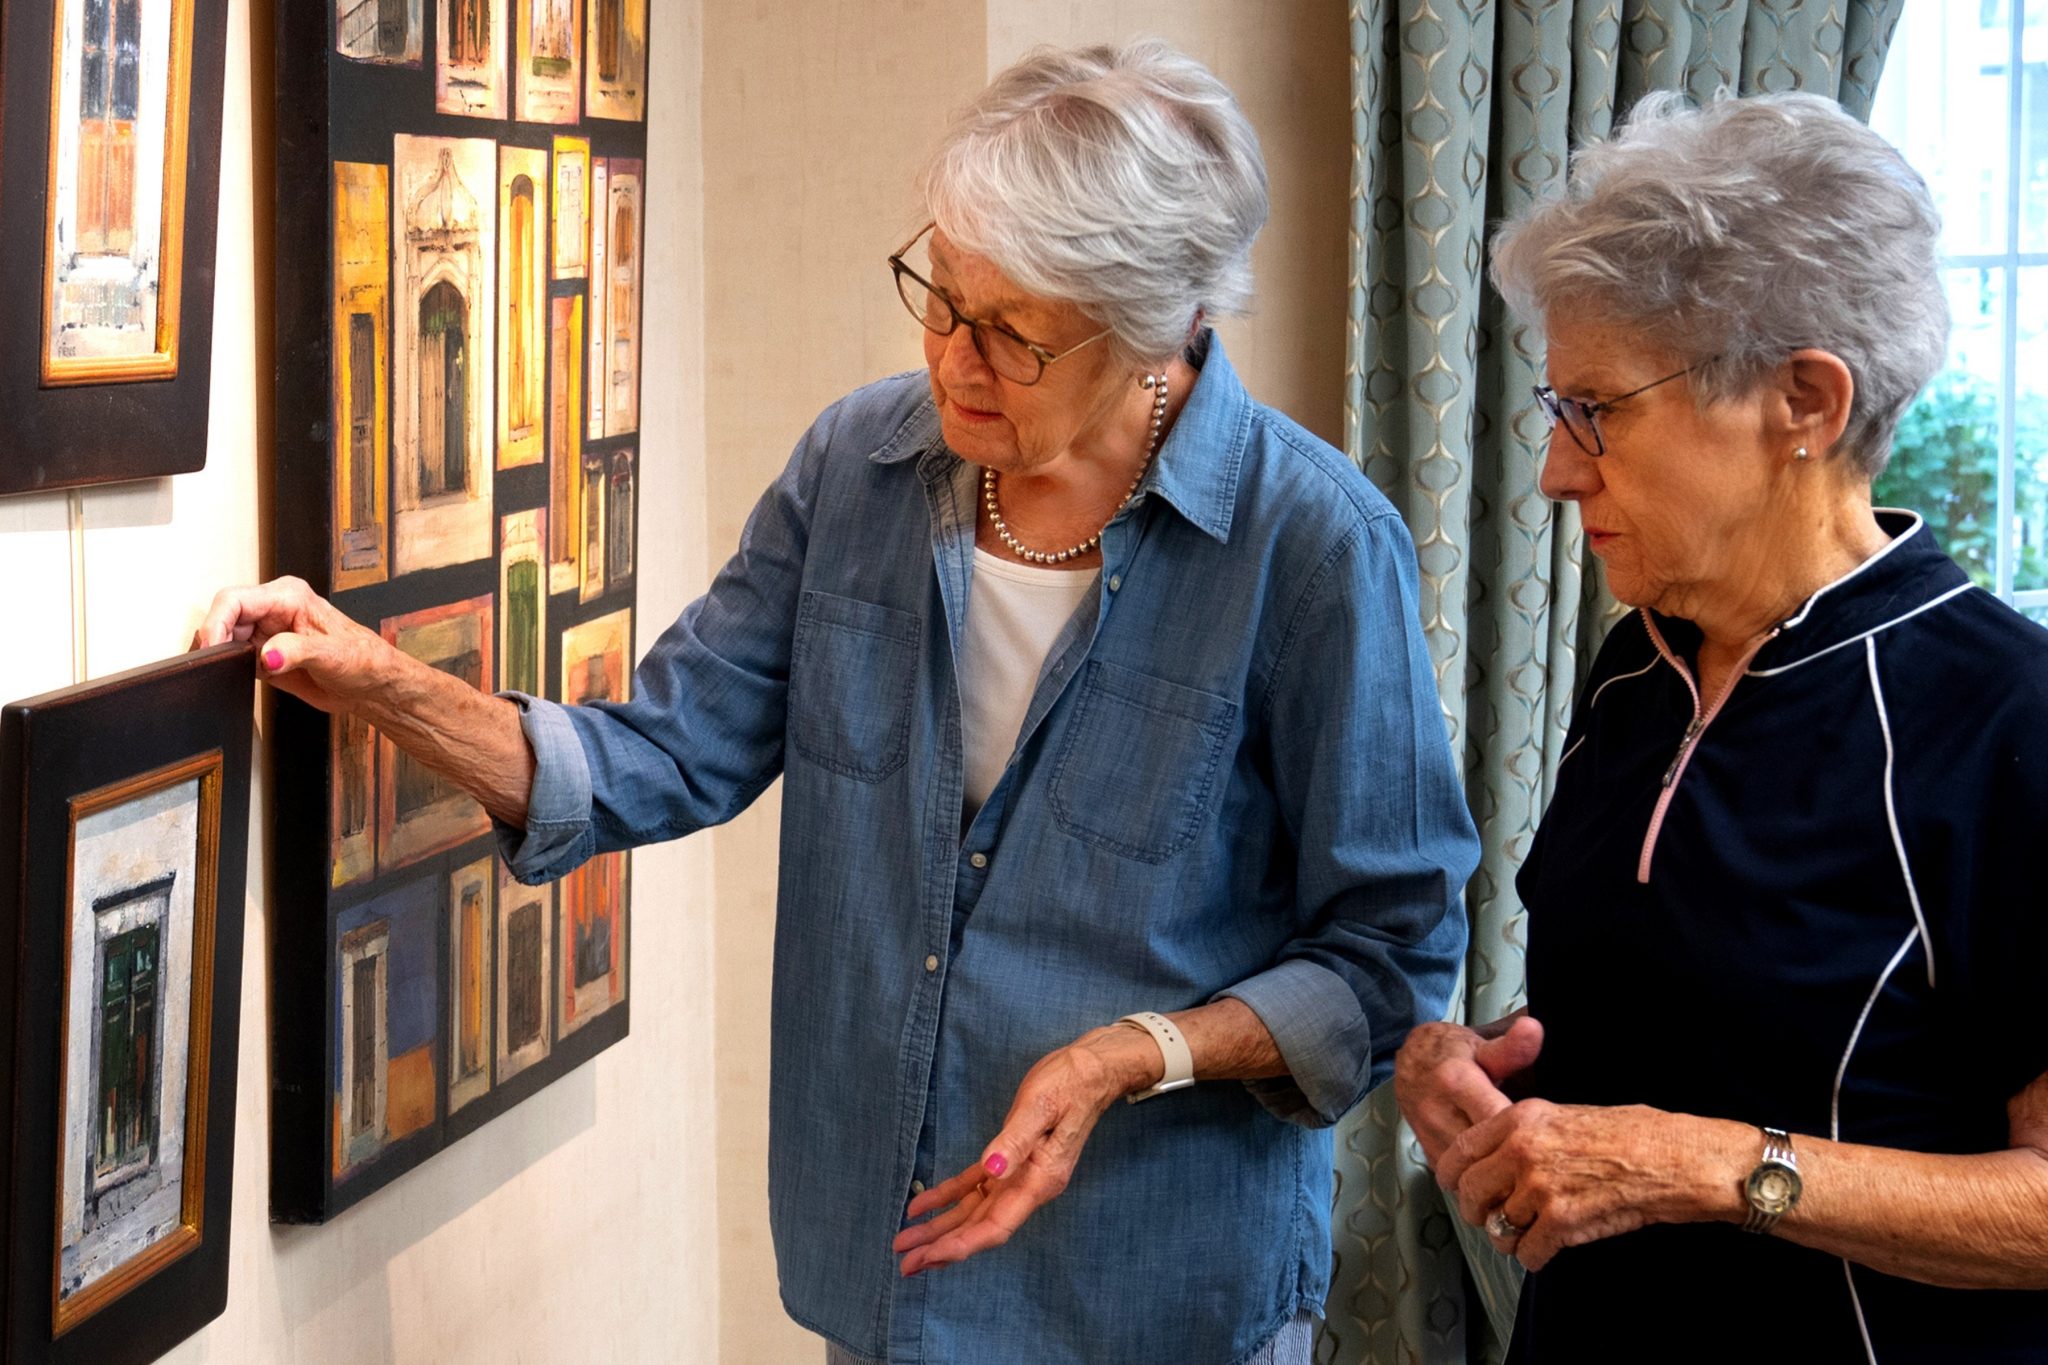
1097,691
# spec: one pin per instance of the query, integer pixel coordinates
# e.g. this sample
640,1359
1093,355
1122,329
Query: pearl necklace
1157,384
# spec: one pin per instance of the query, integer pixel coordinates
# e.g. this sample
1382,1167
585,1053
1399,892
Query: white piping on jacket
1619,677
1835,1118
1856,1302
1595,701
1891,813
1900,539
1883,625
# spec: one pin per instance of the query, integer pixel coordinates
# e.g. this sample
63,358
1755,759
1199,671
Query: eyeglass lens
1573,416
1006,355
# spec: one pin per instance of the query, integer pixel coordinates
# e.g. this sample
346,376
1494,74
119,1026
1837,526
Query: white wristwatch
1180,1063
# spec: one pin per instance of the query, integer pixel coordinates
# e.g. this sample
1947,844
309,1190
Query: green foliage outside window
1945,466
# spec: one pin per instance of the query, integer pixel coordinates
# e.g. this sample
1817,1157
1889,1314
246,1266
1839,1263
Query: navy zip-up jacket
1817,906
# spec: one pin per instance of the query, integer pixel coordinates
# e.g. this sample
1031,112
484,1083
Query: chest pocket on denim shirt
1137,773
852,676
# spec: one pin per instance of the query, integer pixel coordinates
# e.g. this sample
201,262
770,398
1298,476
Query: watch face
1773,1188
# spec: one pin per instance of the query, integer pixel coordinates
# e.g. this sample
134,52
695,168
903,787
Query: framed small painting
111,109
124,817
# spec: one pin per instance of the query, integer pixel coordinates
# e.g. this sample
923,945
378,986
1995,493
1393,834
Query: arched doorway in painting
444,391
523,403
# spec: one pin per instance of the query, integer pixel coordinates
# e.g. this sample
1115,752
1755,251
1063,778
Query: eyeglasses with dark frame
1016,358
1581,420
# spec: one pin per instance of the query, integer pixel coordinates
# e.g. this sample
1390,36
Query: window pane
1944,461
2030,434
1943,100
2033,131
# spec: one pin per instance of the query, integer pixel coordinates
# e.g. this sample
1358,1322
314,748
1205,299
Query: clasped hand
1032,1160
1561,1175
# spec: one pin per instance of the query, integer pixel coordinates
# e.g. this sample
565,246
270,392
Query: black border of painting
99,433
52,748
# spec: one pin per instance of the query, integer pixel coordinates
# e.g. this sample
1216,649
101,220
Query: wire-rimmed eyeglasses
1581,420
1016,358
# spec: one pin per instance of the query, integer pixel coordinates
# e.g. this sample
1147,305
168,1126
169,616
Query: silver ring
1497,1225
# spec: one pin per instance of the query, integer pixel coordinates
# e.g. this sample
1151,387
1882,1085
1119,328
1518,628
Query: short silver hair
1739,232
1124,180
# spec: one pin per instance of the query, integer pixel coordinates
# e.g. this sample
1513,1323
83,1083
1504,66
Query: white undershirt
1014,613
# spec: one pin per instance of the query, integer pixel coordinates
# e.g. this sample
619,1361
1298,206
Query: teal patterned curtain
1462,112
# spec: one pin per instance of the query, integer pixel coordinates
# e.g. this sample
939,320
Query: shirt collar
1906,576
1196,470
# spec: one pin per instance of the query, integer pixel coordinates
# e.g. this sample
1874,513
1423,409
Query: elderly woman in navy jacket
1782,1070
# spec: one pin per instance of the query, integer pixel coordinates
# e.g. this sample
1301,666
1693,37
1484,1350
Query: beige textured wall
576,1228
815,117
1288,61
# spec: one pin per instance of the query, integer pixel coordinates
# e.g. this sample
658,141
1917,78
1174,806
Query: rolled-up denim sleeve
702,735
557,833
1385,844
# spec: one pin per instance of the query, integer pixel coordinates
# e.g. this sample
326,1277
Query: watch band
1180,1062
1773,1188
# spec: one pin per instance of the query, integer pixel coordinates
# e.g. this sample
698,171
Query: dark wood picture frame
97,418
137,782
479,513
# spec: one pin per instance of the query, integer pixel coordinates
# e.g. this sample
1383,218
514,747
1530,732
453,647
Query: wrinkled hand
1448,1077
304,644
1033,1158
1568,1174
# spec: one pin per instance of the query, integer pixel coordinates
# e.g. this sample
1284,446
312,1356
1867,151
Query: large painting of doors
458,410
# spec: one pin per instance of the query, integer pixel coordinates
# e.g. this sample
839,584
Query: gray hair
1124,180
1740,232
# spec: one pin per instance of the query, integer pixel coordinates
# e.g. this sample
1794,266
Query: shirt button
978,860
1115,581
931,962
917,1187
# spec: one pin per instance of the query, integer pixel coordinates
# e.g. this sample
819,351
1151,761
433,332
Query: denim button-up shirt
1232,781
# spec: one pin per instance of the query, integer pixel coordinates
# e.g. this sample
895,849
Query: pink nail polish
997,1164
273,659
